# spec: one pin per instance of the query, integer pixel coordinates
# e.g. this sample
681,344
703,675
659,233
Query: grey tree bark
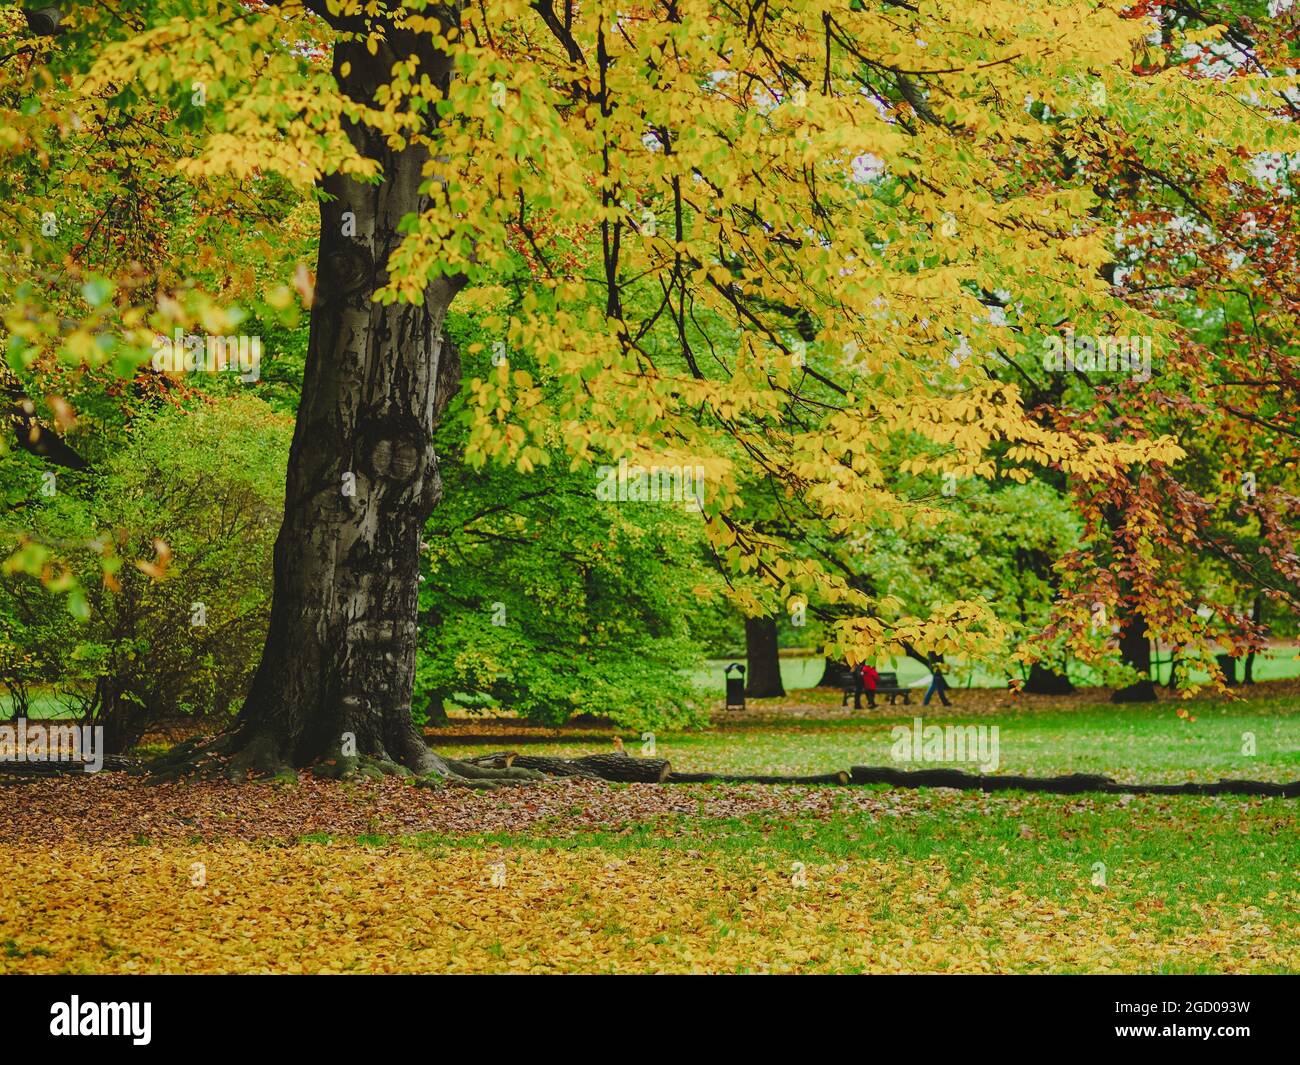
339,658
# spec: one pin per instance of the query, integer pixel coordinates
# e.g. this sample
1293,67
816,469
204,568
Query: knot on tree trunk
347,266
395,460
397,448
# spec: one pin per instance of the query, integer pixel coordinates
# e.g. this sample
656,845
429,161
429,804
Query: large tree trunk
763,669
339,659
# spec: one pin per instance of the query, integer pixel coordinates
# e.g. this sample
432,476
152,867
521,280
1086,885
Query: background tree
1179,553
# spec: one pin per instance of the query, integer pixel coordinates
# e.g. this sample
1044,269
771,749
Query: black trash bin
735,686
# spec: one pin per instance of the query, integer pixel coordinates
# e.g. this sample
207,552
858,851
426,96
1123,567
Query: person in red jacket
865,678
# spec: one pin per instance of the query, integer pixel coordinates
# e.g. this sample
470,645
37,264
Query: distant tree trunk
339,659
1134,634
20,699
435,709
1045,681
834,674
1257,616
1135,651
122,714
763,662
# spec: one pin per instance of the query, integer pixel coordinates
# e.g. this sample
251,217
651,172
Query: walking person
938,686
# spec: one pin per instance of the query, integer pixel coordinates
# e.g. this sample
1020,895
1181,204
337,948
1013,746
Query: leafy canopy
777,241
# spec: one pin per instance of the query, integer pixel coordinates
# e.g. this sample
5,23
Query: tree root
257,756
358,767
619,768
260,759
201,758
470,774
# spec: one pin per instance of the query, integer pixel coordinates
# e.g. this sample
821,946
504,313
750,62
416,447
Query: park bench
886,684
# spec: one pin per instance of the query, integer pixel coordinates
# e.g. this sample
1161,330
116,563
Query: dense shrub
170,602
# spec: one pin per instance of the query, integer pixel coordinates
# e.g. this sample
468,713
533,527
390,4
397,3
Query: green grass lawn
966,882
1148,743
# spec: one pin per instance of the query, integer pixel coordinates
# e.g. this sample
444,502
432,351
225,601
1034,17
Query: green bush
172,595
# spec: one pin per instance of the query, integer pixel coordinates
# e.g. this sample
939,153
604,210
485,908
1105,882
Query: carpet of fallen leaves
116,808
113,874
321,908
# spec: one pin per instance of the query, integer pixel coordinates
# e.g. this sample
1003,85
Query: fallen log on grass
39,770
619,768
840,777
623,768
1070,784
